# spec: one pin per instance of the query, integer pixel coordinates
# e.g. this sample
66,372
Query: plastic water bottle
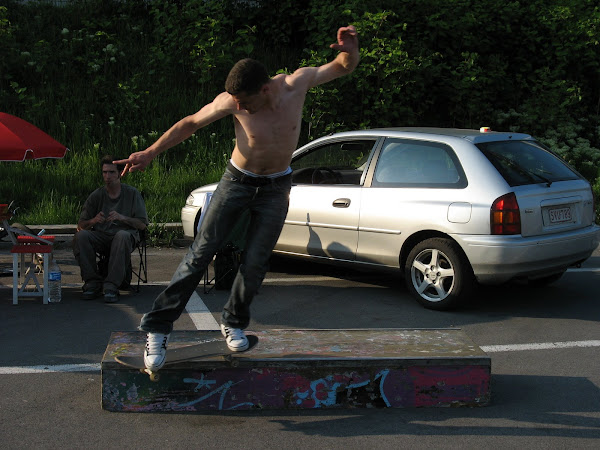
54,283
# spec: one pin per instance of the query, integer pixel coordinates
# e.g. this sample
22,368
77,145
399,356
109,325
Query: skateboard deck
207,349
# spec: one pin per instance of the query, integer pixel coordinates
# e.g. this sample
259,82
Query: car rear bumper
188,220
496,259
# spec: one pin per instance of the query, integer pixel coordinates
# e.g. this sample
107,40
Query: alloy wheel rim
432,275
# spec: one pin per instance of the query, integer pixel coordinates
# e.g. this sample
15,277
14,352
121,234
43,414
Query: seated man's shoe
111,297
111,293
91,293
235,338
155,353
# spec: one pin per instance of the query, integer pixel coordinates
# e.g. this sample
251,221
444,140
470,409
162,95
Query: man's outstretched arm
344,63
220,107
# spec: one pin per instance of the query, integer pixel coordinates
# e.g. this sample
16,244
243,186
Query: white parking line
315,278
200,314
64,368
50,369
197,310
538,346
583,269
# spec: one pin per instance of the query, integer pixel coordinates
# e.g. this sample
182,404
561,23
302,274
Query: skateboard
209,348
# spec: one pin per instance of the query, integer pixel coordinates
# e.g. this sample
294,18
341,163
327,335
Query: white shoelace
154,344
234,334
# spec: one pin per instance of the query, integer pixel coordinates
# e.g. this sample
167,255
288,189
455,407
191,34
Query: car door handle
341,203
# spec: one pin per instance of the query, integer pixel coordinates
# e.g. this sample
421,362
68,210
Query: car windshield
526,162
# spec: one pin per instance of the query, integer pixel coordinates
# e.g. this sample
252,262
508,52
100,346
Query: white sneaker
235,338
155,354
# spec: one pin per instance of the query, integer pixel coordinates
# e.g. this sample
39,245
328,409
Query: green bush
111,76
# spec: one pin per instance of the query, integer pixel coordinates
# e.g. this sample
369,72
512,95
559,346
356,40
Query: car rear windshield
526,162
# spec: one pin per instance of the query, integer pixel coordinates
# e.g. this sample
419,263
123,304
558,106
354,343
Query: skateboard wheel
153,375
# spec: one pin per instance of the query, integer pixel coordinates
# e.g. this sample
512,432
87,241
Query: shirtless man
267,113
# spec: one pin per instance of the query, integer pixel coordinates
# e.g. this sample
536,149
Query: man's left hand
347,39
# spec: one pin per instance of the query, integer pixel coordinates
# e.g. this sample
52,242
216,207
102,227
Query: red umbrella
20,140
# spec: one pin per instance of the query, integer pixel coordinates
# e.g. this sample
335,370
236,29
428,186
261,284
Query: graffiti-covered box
298,369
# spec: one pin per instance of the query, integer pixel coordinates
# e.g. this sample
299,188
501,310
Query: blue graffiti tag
331,387
221,389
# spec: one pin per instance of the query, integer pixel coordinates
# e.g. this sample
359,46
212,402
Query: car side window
340,162
412,163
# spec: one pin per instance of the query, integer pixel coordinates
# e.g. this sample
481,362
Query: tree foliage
103,72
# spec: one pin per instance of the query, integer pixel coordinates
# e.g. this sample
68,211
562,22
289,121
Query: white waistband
271,175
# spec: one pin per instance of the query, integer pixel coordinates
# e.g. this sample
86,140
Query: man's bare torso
267,134
266,139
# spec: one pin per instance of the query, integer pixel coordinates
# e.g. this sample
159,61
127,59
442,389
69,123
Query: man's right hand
89,224
136,161
99,218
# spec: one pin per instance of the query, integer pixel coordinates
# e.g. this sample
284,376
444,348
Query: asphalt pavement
543,344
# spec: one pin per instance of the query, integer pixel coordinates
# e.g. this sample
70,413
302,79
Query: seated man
109,224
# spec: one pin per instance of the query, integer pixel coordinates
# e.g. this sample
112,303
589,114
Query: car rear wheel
438,274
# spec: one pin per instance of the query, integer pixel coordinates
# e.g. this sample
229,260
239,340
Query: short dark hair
248,76
108,159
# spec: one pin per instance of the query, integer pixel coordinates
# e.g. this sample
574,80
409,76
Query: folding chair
142,271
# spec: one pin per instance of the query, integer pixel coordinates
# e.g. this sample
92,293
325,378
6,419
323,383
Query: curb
64,234
72,228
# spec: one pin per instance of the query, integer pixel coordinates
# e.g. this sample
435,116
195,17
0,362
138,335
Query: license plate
560,215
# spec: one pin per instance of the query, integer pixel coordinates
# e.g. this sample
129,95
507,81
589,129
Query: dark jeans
267,200
85,245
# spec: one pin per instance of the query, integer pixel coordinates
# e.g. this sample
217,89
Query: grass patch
53,191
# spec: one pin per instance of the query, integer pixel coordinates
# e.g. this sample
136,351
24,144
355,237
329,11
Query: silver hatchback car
449,208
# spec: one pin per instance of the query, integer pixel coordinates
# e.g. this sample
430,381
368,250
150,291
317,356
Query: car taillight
505,217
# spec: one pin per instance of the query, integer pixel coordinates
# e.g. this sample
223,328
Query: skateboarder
267,114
